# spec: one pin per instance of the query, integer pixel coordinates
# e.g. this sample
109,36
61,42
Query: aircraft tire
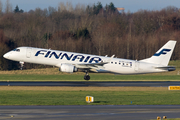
86,77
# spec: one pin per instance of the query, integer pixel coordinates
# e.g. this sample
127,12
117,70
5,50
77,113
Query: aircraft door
28,52
136,68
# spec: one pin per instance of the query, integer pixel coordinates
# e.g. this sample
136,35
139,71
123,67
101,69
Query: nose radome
6,55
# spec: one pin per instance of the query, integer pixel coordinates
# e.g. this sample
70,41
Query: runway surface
77,112
104,112
94,83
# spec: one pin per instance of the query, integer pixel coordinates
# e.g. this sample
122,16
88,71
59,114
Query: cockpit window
18,50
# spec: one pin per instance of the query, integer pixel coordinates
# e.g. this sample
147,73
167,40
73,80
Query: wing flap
91,66
96,66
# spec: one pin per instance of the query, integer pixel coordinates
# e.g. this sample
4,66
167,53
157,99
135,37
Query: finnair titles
72,62
72,57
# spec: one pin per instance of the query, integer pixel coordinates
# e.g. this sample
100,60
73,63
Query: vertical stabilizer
163,55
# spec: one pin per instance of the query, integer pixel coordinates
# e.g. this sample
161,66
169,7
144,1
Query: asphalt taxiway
104,112
77,112
92,83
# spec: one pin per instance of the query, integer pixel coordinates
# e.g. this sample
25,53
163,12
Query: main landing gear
86,77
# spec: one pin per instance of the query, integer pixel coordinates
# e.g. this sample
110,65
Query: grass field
76,96
94,77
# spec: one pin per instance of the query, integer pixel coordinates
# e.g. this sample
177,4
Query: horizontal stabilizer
168,68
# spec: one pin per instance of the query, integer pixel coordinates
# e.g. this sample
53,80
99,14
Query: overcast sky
129,5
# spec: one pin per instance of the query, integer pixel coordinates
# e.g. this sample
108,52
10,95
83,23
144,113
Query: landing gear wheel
87,77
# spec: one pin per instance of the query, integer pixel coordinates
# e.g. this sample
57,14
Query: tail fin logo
163,51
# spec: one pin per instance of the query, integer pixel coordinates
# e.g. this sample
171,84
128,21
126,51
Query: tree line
92,29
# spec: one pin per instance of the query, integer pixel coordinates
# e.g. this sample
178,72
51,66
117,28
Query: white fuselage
56,58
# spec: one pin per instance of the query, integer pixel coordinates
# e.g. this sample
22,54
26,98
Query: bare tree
8,7
61,7
69,7
65,7
80,9
1,7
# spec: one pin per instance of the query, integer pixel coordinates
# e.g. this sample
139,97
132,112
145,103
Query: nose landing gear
21,65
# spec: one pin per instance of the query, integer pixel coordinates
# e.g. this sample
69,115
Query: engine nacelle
67,68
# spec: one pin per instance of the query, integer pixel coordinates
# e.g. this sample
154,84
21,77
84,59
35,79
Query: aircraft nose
6,55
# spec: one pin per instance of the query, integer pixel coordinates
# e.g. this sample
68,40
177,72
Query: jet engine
68,68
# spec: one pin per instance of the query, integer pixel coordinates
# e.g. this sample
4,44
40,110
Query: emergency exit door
28,52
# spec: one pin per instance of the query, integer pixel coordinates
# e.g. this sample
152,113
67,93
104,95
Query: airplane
72,62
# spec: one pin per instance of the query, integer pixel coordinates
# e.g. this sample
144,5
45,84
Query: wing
93,66
90,66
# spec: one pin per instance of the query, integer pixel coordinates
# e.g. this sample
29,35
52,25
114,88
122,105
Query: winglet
109,60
